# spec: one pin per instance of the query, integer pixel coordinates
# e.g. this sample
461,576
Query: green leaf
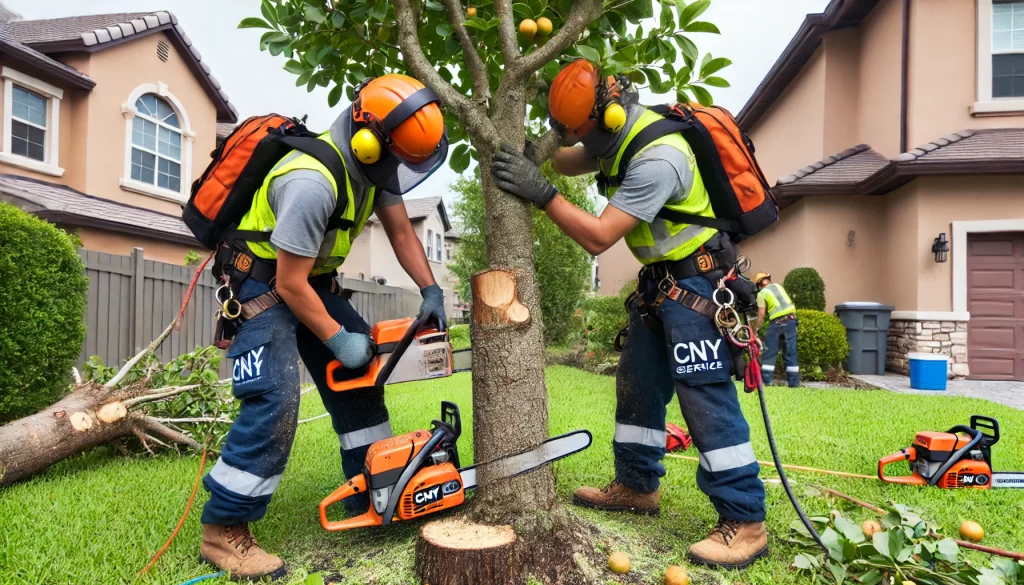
805,562
838,572
335,96
314,579
637,10
947,550
1006,567
589,53
521,10
314,13
338,19
434,6
253,22
295,68
278,48
443,29
691,12
872,577
702,27
850,530
831,539
688,48
889,543
714,65
716,82
460,158
268,10
379,10
703,96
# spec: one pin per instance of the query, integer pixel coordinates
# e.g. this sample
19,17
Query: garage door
995,299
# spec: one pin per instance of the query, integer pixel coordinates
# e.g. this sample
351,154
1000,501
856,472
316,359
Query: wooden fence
131,300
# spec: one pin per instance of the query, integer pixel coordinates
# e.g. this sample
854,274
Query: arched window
156,144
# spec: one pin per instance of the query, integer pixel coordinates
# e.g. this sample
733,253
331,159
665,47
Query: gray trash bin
867,329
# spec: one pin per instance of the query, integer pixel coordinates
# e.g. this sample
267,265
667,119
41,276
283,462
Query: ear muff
611,112
366,146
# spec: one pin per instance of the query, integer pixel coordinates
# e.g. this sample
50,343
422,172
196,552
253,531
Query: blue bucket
928,371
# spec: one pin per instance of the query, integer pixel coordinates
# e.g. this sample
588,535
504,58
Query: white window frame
129,112
430,245
51,152
986,105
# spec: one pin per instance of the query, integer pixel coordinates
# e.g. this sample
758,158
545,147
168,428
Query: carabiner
220,289
237,306
727,304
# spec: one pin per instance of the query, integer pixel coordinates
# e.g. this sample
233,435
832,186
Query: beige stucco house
372,257
107,119
894,125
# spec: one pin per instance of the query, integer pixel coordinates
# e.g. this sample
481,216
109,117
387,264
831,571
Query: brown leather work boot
616,497
731,545
235,550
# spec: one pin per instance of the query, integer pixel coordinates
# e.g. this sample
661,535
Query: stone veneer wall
948,338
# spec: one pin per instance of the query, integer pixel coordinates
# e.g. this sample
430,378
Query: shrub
42,301
820,344
806,288
605,317
459,336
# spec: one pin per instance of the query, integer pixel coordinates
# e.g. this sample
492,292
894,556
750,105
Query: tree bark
33,443
456,552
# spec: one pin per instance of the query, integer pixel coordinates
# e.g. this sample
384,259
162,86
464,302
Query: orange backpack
224,192
740,196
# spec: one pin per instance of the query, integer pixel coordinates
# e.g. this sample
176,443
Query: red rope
181,521
191,289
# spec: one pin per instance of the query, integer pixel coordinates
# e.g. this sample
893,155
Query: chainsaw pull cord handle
957,455
410,469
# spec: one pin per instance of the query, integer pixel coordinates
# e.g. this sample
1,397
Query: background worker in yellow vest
289,246
673,345
774,301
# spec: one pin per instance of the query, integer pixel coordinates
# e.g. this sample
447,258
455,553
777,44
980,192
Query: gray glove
353,350
516,174
433,305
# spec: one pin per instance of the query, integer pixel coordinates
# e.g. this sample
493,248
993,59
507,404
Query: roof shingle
61,203
12,47
422,207
69,28
850,166
970,145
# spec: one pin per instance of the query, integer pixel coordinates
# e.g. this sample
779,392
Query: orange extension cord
188,508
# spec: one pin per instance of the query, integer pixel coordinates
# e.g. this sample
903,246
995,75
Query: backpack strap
670,125
326,155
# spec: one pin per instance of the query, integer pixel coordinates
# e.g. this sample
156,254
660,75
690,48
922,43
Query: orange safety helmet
572,97
401,114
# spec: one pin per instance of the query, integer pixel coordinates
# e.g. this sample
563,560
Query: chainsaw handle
403,344
907,454
351,487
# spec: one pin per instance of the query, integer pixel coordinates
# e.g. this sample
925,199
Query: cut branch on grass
193,420
158,430
120,375
159,394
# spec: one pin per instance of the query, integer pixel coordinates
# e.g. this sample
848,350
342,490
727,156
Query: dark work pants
786,330
265,375
687,355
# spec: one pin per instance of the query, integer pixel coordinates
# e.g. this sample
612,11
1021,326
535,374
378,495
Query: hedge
806,288
42,302
820,343
605,317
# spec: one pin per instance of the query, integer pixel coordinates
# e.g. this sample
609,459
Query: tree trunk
456,552
73,424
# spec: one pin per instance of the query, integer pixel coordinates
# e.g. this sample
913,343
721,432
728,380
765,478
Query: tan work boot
616,497
731,545
235,550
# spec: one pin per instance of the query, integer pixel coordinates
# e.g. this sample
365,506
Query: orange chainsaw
418,473
407,350
958,458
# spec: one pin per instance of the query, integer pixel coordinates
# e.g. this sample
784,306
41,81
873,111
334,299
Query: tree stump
458,552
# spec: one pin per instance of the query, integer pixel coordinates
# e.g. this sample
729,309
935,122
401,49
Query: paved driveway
1007,393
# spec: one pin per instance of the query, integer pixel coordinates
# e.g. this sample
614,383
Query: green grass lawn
99,517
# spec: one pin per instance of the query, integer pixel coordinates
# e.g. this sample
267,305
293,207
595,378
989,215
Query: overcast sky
754,33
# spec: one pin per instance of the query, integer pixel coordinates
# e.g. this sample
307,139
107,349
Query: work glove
516,174
433,305
353,350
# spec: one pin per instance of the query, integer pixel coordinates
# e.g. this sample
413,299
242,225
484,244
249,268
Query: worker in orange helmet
289,247
672,344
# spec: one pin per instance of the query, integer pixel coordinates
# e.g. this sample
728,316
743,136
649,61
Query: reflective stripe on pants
244,483
728,458
364,437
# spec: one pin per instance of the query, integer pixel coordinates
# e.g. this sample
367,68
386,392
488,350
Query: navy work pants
684,354
786,330
265,375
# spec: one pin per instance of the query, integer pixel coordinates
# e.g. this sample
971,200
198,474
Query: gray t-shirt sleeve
386,199
303,201
659,175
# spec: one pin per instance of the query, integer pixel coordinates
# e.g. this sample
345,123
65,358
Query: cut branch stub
458,552
112,412
496,299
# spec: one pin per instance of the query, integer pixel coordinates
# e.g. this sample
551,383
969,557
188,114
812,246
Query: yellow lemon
618,562
972,531
544,26
471,12
676,575
528,28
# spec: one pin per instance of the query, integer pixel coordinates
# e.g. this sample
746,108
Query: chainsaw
407,350
958,458
418,473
